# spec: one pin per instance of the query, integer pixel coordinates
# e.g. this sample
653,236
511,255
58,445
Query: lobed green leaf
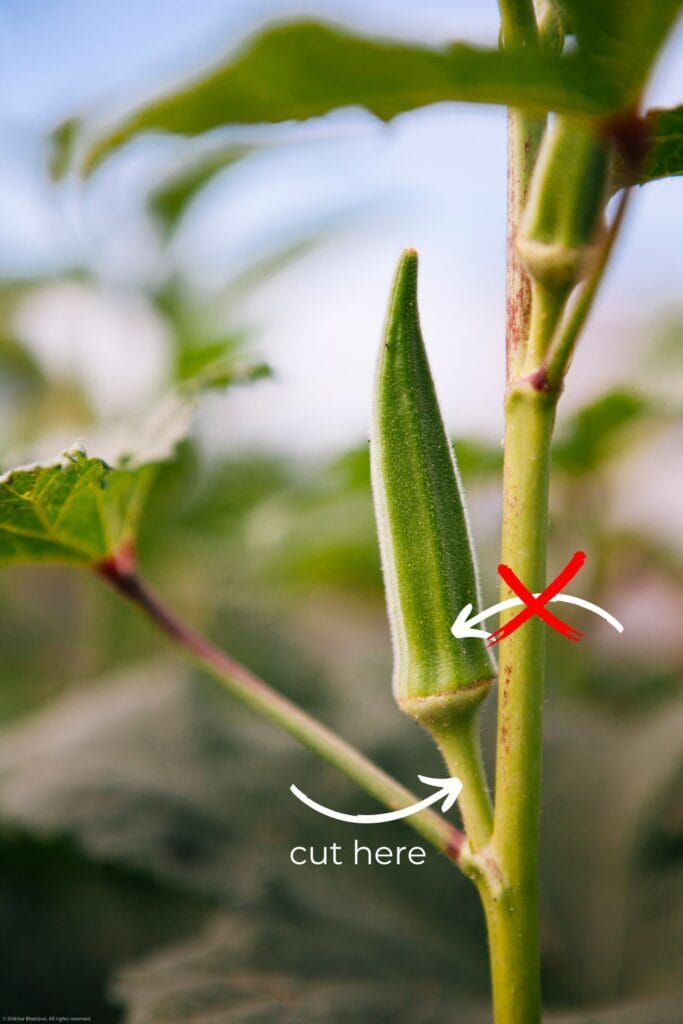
77,511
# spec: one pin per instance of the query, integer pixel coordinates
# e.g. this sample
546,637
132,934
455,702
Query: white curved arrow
463,626
448,790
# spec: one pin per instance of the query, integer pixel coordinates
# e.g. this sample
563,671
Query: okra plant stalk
558,236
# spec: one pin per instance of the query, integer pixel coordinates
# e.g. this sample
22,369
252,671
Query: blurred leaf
218,496
19,365
212,365
76,511
62,144
168,202
351,470
665,1011
478,459
135,772
330,543
664,357
206,354
323,531
606,784
303,69
257,271
150,771
263,972
172,779
595,432
632,689
43,884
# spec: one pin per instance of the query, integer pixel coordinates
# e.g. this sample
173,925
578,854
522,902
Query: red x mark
536,605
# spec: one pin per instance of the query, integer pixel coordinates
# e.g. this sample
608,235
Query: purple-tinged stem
120,571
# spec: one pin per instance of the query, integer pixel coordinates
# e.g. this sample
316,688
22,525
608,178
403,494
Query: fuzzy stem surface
524,131
513,919
461,749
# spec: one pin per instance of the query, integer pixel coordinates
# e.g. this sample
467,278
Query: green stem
518,29
513,919
120,572
546,310
461,749
512,915
518,22
562,347
524,136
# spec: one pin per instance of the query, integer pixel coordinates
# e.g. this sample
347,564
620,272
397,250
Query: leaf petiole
120,571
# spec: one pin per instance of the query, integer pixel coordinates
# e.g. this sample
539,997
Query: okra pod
424,535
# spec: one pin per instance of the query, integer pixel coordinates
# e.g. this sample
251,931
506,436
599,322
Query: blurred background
145,821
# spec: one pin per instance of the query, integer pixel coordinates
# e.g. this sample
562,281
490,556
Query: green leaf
622,39
613,777
665,157
302,69
77,511
660,134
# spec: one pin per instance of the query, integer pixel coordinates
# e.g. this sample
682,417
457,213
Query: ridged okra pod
423,530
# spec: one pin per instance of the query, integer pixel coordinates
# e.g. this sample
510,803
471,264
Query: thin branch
561,349
121,573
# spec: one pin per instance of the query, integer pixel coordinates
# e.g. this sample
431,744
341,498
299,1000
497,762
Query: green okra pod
422,524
